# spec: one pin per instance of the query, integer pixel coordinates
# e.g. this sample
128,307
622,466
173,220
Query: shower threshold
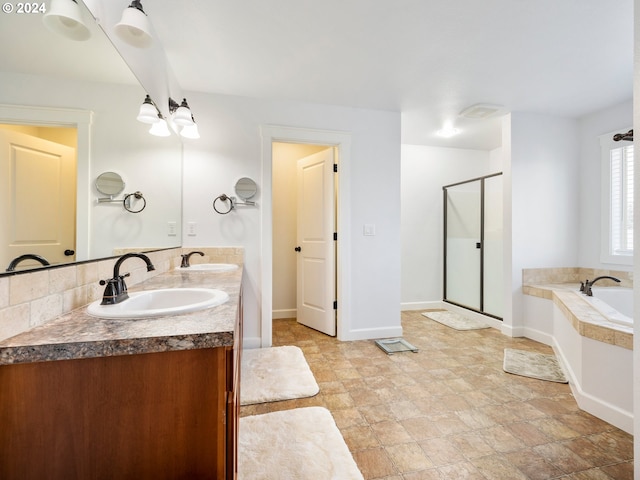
395,345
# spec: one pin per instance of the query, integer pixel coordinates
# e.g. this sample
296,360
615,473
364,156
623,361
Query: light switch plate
369,229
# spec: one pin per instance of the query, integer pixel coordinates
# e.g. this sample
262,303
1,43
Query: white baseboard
284,313
589,403
373,333
431,305
537,335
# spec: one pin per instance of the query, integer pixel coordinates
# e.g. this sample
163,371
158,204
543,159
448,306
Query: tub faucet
27,256
186,257
586,288
116,289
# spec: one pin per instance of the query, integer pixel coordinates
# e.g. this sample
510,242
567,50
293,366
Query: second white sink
156,303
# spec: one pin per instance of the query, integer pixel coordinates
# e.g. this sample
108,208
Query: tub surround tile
585,319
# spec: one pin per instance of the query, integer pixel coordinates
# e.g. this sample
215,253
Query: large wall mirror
79,99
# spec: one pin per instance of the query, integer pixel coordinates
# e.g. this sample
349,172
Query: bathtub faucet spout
588,284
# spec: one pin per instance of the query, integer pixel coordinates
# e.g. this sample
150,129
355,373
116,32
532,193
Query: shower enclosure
473,245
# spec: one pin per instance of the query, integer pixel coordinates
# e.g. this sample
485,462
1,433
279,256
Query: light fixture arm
136,4
173,105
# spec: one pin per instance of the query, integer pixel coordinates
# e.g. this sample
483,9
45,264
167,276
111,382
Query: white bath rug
274,374
455,320
533,365
303,443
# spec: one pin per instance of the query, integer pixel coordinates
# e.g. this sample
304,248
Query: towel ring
137,195
223,198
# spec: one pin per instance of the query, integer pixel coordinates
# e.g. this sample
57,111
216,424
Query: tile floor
449,411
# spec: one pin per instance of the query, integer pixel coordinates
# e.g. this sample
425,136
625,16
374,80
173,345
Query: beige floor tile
450,411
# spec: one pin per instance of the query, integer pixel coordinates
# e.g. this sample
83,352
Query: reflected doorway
38,165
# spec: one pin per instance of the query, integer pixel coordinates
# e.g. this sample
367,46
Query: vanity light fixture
134,27
160,127
65,18
181,114
148,111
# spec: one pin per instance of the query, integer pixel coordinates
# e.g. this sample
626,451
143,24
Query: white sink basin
156,303
211,267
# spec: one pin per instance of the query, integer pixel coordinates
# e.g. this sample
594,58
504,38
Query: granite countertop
78,335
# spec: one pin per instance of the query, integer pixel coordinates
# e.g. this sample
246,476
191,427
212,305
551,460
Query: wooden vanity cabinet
170,415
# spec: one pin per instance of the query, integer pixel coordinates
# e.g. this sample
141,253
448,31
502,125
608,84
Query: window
617,205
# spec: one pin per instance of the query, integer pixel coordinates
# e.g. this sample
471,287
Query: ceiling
428,59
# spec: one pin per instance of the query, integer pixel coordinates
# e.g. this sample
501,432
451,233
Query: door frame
342,142
81,121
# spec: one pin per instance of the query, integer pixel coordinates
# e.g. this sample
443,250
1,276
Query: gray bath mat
533,365
455,320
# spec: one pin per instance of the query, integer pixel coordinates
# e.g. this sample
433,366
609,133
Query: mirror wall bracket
127,201
232,204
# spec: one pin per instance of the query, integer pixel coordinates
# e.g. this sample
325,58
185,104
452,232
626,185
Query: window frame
607,255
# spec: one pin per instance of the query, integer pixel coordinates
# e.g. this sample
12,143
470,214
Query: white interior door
37,199
316,291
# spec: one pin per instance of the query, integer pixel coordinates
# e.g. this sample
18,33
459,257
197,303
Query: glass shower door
473,245
462,244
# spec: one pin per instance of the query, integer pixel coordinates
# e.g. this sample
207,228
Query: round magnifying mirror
246,188
109,183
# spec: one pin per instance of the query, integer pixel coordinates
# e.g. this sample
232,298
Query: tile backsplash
33,298
543,276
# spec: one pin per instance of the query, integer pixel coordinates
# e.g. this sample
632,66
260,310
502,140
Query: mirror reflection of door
38,185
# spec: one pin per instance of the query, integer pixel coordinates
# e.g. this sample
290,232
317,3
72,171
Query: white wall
618,118
541,200
425,170
230,147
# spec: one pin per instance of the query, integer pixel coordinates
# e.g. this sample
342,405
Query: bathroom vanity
156,398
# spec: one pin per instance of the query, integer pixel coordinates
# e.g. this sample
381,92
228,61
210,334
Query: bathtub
614,303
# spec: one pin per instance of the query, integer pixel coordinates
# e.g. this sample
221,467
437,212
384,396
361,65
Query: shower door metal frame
444,286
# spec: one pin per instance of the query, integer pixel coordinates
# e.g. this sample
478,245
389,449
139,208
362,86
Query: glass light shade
160,128
134,28
148,113
64,17
182,116
190,132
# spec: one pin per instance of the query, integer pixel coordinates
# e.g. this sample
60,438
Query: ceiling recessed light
447,131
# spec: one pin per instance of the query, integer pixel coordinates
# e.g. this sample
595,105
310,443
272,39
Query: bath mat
533,365
455,320
274,374
294,444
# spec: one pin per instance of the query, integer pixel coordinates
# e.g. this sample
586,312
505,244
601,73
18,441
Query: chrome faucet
186,257
586,286
116,289
27,256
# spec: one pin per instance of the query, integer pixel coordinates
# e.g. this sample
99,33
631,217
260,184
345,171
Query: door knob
69,252
298,249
